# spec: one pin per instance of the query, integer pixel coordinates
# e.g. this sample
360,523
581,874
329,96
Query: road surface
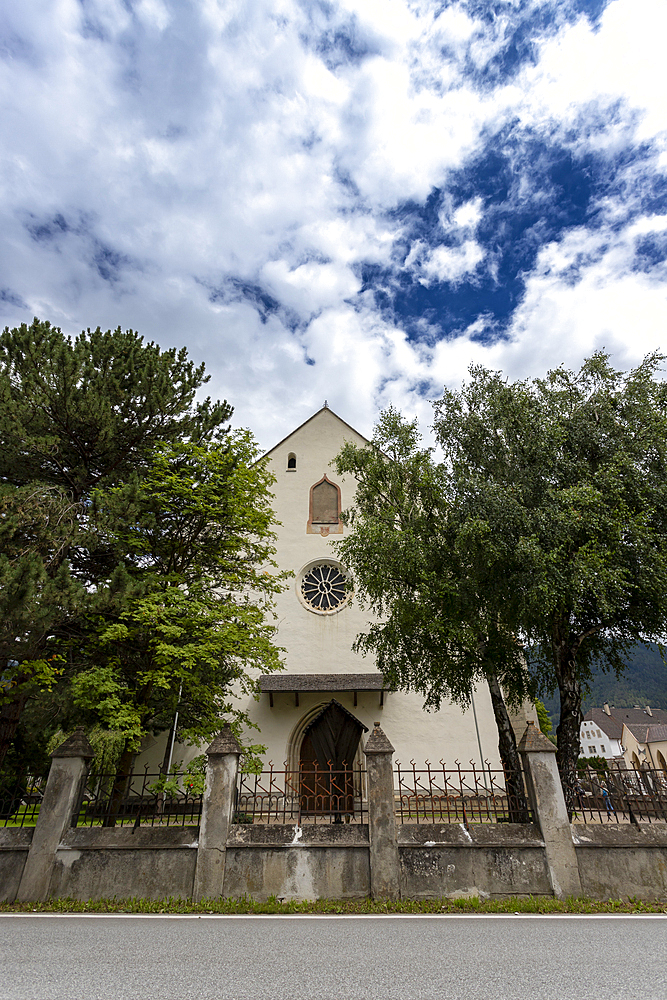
324,958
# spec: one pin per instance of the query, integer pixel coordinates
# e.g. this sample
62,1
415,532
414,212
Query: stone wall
620,860
152,863
311,862
333,861
488,860
14,847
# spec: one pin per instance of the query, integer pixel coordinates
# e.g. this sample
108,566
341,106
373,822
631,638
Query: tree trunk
120,787
509,755
570,721
10,716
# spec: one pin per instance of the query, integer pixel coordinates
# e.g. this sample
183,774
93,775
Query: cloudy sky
340,199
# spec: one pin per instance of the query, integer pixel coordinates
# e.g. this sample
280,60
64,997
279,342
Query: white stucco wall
322,643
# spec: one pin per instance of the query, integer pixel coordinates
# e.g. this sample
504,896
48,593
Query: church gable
323,426
309,496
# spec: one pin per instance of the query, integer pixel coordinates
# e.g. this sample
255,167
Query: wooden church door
326,762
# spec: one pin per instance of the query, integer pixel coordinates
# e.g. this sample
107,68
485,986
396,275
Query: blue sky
341,200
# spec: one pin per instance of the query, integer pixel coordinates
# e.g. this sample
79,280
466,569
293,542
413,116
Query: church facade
319,618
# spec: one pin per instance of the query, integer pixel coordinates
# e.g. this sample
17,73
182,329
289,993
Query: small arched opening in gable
291,462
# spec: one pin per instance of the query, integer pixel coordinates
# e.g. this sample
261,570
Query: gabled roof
638,731
323,409
648,734
610,726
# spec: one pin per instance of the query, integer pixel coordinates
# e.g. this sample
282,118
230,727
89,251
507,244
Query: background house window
291,461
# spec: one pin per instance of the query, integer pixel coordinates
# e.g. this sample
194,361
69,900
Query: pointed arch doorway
326,763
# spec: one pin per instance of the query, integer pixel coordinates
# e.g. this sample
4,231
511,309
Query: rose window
324,587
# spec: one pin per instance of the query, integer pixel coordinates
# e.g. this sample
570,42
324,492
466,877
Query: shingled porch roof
295,683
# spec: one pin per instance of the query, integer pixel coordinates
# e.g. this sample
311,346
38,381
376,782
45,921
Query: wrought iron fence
20,800
311,794
141,799
441,794
619,794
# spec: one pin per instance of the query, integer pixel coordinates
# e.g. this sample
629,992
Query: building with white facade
637,735
319,619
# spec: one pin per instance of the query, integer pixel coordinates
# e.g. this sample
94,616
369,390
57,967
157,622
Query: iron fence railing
20,800
310,794
141,799
441,794
619,794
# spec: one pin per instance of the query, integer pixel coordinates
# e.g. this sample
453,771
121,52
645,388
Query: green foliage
569,475
83,413
186,607
135,539
75,416
414,550
543,717
107,748
191,780
596,762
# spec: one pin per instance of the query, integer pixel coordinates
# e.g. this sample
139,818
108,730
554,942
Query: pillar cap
224,743
534,741
76,745
377,742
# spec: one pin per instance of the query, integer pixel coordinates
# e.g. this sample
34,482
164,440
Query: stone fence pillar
381,816
62,797
221,773
549,810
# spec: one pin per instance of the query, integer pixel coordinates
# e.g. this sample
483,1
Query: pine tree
76,415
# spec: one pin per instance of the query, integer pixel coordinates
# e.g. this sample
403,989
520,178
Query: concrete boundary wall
620,860
95,863
14,848
333,861
486,860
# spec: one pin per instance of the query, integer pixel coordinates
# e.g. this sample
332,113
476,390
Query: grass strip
273,905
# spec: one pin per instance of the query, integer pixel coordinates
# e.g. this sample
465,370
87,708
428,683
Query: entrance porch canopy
295,683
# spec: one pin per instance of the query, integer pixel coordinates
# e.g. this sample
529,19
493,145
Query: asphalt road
389,958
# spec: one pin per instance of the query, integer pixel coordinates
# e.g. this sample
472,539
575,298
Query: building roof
637,716
607,723
612,725
647,734
323,409
322,682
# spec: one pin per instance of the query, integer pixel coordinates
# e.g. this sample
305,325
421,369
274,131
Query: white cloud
184,148
443,263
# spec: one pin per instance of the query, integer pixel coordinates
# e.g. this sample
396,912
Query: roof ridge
322,409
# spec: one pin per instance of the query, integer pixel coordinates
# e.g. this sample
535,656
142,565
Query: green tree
569,473
184,620
75,416
423,562
543,717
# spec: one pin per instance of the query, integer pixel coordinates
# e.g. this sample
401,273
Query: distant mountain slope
644,682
